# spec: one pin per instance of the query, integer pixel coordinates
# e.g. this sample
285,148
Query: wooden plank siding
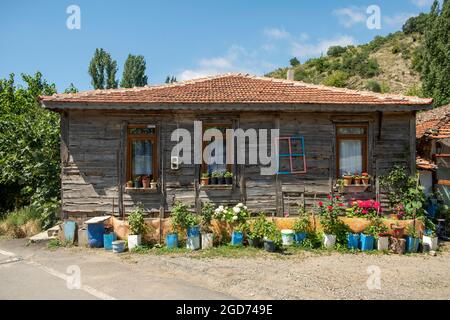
91,141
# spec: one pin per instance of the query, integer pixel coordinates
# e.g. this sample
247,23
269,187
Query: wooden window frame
362,137
204,166
139,137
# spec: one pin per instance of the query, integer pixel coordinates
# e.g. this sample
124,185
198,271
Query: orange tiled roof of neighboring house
434,123
234,89
424,164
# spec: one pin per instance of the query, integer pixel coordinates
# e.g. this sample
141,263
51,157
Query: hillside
386,64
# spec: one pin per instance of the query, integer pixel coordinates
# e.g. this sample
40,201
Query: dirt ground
310,275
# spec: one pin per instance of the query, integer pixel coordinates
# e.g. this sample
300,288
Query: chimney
290,74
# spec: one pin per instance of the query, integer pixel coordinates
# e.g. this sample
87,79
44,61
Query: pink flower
330,208
329,197
320,203
365,211
340,204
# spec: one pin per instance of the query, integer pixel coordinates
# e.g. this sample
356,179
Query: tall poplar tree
102,70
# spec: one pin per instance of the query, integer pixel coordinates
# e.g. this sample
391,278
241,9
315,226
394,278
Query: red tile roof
424,164
434,123
234,89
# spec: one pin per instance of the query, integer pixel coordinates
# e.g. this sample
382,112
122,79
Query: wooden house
108,137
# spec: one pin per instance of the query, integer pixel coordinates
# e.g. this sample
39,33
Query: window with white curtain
351,149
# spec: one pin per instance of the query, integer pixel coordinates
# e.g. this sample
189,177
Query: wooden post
64,153
162,180
120,182
278,184
412,142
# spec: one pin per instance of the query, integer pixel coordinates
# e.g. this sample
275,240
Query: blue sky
188,38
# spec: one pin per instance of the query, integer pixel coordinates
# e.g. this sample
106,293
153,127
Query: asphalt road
34,272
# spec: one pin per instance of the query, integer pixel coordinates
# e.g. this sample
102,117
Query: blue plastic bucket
353,241
118,246
95,234
172,241
299,237
412,244
367,242
237,238
108,239
193,231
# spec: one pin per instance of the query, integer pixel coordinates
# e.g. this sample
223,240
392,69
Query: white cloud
422,3
302,49
236,59
350,16
276,33
397,20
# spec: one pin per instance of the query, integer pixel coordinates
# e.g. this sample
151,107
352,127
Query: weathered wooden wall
91,147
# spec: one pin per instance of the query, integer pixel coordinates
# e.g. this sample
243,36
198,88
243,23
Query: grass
54,244
21,223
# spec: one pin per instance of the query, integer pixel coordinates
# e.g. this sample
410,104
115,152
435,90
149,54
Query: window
141,150
292,159
351,149
222,165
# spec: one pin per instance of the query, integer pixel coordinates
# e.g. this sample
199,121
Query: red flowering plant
333,207
364,209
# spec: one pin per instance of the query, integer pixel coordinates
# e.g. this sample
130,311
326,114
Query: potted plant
347,178
365,178
429,238
207,239
331,225
145,182
220,178
153,184
301,228
412,239
368,238
381,235
130,184
137,226
256,231
215,177
137,182
228,177
186,220
236,218
328,226
357,179
353,240
397,230
204,179
272,237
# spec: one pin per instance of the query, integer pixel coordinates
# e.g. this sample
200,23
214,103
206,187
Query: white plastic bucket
134,241
207,240
383,243
193,242
287,236
432,242
329,241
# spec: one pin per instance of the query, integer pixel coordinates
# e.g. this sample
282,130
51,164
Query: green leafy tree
71,89
336,79
134,72
294,62
436,55
170,79
29,148
102,70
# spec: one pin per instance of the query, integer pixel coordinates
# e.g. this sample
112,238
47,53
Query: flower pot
118,246
228,180
134,240
287,236
367,242
214,180
383,243
136,184
172,241
329,241
207,240
255,242
431,242
153,185
299,237
270,246
193,231
145,183
353,241
347,180
365,181
108,239
397,231
193,242
412,244
237,238
129,184
357,181
204,181
221,180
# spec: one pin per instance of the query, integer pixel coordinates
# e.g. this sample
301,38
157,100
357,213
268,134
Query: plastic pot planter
270,245
353,241
118,246
134,240
383,243
237,238
207,240
255,242
214,180
193,238
108,239
430,242
228,181
287,236
329,241
172,241
299,237
367,242
412,244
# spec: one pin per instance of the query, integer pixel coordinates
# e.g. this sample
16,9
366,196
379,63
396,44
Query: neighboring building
108,137
433,150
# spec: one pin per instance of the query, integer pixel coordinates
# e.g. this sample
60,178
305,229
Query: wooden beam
64,154
412,143
444,182
122,166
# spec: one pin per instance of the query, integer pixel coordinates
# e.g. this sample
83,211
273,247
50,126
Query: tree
171,79
294,62
134,72
336,51
71,89
416,24
436,52
102,70
336,79
29,147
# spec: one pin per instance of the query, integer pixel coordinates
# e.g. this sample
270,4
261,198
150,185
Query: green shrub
182,218
336,51
336,79
136,220
374,86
